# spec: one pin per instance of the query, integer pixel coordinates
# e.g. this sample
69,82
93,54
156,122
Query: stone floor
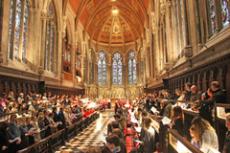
93,135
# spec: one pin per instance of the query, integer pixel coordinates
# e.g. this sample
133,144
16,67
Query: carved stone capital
188,51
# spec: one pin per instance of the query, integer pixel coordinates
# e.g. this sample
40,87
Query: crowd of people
142,114
136,124
26,119
203,135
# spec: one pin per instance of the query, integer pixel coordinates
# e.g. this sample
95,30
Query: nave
92,136
164,64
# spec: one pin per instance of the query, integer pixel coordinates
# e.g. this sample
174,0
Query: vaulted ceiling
126,24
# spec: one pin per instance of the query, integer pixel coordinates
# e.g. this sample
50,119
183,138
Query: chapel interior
115,76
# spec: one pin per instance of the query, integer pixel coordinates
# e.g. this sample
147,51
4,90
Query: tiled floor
94,135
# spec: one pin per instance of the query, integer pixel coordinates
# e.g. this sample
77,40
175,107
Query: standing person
188,92
227,137
14,135
219,95
59,118
3,138
195,97
147,136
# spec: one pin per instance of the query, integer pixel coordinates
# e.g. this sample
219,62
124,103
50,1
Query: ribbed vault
104,26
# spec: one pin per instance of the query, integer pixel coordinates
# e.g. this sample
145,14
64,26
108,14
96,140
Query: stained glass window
50,39
66,53
225,13
18,29
117,69
132,68
102,68
212,16
1,12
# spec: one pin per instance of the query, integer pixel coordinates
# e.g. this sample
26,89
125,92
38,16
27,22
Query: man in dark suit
219,95
59,118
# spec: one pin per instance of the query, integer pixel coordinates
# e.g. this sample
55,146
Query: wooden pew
177,143
220,122
52,142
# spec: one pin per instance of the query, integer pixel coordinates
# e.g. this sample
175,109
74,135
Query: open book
154,110
166,120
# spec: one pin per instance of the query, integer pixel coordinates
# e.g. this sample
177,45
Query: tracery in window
1,12
66,53
212,16
225,13
18,29
117,69
50,39
132,68
102,68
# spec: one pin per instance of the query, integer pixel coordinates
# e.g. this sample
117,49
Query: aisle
94,135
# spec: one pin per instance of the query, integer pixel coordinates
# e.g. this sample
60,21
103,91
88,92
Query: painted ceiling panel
112,21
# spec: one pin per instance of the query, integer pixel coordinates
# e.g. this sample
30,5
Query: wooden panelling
17,85
25,86
203,76
64,90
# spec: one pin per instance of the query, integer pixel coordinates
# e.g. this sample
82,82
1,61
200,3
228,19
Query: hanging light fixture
115,11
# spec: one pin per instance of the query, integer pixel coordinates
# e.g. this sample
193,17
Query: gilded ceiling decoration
112,21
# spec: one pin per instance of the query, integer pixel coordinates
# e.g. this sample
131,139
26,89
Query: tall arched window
66,53
212,16
225,13
50,40
18,29
102,68
117,69
132,68
1,12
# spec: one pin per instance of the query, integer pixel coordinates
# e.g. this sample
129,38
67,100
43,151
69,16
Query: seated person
166,108
195,97
180,97
111,126
118,133
226,148
177,121
112,144
203,135
116,121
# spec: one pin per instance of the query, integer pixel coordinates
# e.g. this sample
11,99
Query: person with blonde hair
147,136
203,135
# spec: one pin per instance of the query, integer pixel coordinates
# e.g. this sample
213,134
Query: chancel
114,76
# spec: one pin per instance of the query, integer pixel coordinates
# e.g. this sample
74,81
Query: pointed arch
102,68
1,16
18,29
67,47
117,69
132,67
50,38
